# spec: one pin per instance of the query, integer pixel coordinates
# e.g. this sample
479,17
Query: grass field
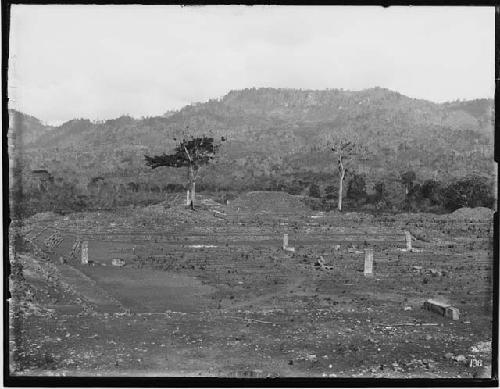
245,307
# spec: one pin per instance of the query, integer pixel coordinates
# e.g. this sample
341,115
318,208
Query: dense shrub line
404,193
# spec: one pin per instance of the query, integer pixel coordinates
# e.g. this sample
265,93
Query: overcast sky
99,62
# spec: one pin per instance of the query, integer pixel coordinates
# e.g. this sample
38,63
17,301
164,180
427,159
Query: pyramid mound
269,202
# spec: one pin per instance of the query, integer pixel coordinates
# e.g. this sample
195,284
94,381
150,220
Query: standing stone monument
368,262
85,252
408,241
285,244
187,197
75,249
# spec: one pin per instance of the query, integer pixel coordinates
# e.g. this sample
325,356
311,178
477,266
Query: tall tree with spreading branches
344,150
192,153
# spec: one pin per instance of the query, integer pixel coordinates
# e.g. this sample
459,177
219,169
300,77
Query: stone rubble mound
478,213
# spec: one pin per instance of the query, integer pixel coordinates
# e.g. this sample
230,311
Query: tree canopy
189,152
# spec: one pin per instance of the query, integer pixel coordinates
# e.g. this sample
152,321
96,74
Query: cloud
103,61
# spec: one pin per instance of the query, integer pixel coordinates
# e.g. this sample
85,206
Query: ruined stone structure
43,179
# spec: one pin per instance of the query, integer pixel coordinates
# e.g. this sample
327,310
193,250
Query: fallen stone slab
411,250
118,262
442,309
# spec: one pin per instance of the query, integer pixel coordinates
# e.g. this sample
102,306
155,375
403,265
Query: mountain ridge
457,104
273,134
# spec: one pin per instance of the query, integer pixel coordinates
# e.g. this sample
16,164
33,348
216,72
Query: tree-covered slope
276,133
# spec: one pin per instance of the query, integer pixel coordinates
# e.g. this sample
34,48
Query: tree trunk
339,206
193,191
188,198
342,175
192,186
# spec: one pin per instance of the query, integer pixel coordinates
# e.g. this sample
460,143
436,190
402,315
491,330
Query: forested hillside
276,140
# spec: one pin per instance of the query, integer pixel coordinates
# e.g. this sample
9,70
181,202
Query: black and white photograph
250,192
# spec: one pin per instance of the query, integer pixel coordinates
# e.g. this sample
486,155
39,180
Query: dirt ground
213,293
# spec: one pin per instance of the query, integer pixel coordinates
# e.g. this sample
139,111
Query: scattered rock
434,272
483,372
481,347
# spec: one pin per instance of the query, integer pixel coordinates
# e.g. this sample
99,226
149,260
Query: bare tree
344,150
